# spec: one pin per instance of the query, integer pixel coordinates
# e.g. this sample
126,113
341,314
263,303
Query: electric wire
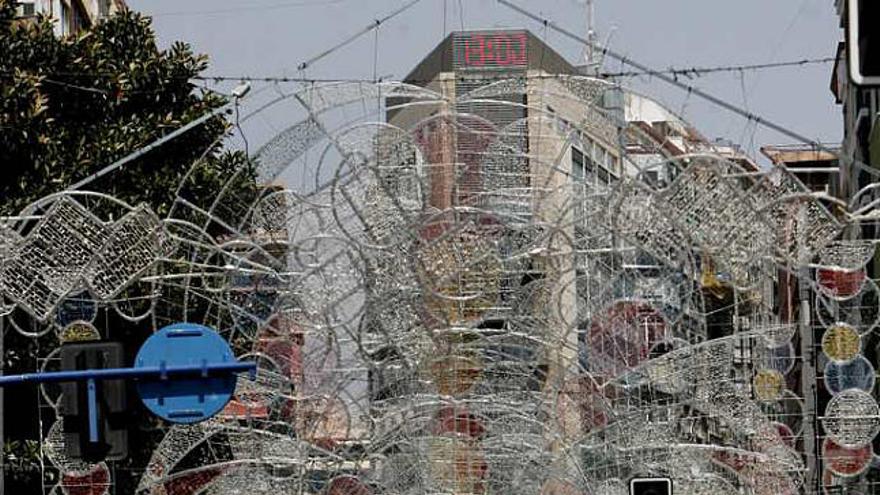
692,72
670,76
250,8
369,27
689,72
75,86
233,105
757,119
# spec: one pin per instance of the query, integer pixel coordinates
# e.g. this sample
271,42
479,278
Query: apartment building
70,16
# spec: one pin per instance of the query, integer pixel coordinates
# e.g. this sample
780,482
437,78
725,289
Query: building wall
561,120
71,15
564,112
558,119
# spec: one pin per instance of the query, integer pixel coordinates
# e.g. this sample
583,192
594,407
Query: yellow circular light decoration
841,342
79,331
463,274
768,384
457,466
455,374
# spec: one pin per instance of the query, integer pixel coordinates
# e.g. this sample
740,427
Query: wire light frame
506,288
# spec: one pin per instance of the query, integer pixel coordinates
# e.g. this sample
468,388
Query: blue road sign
185,373
193,398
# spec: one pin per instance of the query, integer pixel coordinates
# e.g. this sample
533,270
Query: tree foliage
69,107
73,105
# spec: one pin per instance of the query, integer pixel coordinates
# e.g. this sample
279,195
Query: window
577,164
672,172
604,176
27,9
65,19
79,20
589,169
579,187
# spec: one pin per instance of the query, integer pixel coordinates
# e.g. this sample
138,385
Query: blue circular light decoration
76,307
781,358
186,399
858,373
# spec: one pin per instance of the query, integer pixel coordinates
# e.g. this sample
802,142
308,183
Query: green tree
69,107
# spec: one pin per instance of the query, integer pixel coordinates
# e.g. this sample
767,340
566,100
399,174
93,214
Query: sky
272,37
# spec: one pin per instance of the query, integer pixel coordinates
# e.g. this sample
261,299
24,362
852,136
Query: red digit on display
489,51
502,50
518,49
474,51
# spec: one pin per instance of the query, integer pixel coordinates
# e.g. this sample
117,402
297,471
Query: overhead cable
369,27
757,119
661,75
699,71
249,8
689,72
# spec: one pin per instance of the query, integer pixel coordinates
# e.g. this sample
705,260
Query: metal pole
160,372
154,372
808,380
93,411
591,34
150,147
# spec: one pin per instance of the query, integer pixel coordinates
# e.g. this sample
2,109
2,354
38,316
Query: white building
70,16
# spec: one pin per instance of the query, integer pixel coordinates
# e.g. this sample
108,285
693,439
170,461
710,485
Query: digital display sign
490,50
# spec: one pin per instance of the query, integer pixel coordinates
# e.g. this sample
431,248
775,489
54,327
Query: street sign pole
185,373
164,374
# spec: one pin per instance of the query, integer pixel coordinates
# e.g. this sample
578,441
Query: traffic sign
185,374
193,398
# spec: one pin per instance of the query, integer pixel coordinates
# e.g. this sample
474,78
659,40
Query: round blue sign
191,398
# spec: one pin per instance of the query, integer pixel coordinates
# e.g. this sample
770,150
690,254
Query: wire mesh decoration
446,298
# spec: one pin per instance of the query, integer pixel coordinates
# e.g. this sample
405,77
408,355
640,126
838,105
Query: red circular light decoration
347,485
844,461
785,433
621,337
592,404
732,460
191,482
457,421
94,482
840,284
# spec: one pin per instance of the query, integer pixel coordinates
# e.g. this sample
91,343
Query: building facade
520,141
70,16
859,101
